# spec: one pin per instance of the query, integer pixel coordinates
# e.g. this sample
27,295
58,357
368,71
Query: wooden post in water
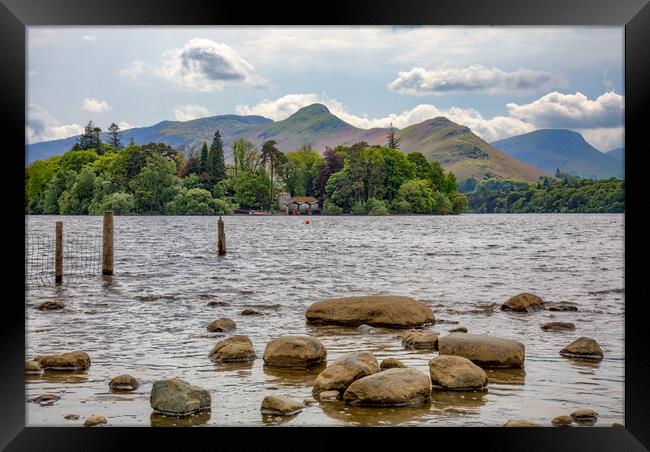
107,244
221,237
58,253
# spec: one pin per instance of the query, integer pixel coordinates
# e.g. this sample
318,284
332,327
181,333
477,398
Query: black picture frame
16,15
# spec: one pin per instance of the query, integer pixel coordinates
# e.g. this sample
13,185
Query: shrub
329,208
359,208
376,207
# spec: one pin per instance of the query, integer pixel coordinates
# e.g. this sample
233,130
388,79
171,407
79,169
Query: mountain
188,134
549,149
453,145
618,154
462,152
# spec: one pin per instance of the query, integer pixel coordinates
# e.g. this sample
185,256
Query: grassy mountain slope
549,149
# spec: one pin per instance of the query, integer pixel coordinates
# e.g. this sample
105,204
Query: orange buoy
307,221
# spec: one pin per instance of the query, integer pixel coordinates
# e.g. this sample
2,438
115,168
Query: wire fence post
221,235
107,244
58,254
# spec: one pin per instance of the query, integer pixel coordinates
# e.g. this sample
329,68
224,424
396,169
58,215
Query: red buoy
307,221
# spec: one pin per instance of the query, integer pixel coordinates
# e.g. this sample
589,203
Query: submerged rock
375,310
344,371
561,421
460,329
585,416
94,420
235,349
485,351
71,417
523,302
124,382
249,311
222,325
558,326
33,367
561,306
51,305
329,395
214,304
45,399
583,348
176,397
520,423
420,340
391,363
366,329
294,351
456,373
280,406
392,387
65,361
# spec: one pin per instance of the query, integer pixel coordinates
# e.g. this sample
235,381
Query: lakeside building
298,205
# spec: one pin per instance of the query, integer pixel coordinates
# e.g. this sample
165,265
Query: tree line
100,173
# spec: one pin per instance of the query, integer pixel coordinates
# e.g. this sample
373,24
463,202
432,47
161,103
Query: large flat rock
344,371
378,310
295,351
391,387
485,351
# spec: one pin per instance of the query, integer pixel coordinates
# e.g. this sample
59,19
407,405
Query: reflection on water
149,320
160,420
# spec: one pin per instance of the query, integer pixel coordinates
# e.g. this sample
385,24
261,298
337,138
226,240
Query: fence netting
82,257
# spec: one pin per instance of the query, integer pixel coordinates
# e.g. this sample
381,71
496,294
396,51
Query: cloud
89,38
94,105
42,126
191,111
572,111
489,129
133,70
123,125
205,65
473,79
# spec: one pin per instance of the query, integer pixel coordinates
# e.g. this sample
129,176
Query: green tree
114,136
392,141
204,164
76,199
418,194
252,190
216,159
155,185
76,160
245,156
397,169
274,159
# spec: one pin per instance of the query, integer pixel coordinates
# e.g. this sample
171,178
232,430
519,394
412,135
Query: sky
498,81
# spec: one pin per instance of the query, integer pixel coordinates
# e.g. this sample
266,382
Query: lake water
149,320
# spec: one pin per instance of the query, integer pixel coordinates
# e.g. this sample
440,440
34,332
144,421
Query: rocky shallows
390,311
485,351
392,387
222,325
235,349
93,420
280,406
339,375
520,423
124,382
420,340
176,397
558,326
295,351
456,373
583,348
391,363
523,302
65,361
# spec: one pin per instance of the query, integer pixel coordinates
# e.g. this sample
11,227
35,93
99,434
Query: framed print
380,215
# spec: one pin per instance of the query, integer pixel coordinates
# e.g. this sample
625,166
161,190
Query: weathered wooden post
107,244
58,253
221,236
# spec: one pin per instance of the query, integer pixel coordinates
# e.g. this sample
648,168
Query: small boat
261,214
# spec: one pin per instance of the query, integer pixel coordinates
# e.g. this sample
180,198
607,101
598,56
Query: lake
149,320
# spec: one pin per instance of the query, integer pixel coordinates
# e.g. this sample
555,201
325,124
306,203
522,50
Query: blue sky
499,81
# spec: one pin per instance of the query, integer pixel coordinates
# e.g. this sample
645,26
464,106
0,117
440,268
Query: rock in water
420,340
65,361
249,311
366,329
33,367
585,416
583,348
294,351
124,382
523,302
94,420
520,423
222,325
51,305
214,304
460,329
392,387
456,373
280,406
71,417
561,306
235,349
45,399
329,395
344,371
562,421
176,397
391,363
375,310
485,351
558,326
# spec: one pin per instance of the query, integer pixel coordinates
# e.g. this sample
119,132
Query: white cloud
205,65
572,111
42,126
94,105
490,129
133,70
123,125
89,38
191,111
473,79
